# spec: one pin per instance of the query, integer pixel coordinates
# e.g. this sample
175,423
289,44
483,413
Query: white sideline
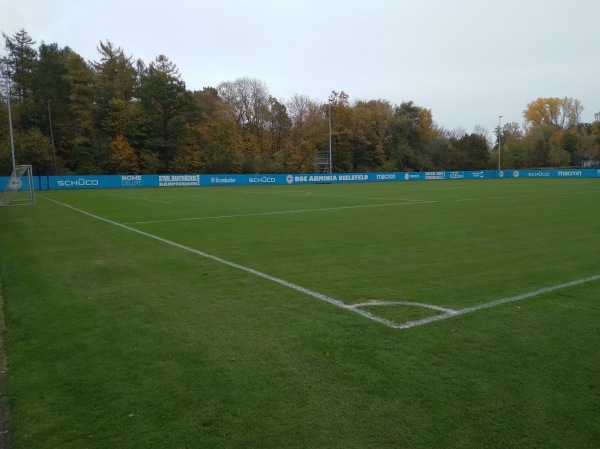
141,199
294,211
357,308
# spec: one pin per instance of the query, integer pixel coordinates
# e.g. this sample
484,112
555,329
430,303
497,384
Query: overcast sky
468,61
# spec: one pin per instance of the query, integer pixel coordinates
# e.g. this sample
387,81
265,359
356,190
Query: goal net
19,188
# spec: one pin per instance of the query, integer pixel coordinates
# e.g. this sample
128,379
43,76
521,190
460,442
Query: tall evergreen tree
168,105
20,61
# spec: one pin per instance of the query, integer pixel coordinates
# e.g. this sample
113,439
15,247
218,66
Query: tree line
117,115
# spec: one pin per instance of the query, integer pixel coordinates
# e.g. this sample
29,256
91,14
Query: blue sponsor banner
482,174
436,175
85,182
120,181
279,179
242,180
177,180
335,178
412,176
551,173
181,180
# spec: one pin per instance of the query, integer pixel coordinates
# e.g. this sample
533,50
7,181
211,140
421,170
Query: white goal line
451,313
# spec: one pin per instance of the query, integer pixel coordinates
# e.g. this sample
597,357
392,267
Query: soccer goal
17,192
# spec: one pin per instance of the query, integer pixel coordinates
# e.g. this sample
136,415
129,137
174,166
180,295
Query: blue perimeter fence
125,181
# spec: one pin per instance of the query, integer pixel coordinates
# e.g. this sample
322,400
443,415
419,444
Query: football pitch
388,315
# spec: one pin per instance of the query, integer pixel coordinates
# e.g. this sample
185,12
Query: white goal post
19,188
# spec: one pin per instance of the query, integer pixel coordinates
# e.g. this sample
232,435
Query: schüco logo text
78,183
264,179
538,174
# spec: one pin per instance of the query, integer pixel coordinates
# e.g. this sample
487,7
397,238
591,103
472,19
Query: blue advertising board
119,181
182,180
551,173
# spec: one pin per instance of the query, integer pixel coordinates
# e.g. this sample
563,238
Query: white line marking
404,303
349,197
495,303
295,211
357,308
246,192
141,199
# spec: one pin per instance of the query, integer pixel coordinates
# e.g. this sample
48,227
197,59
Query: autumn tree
222,148
122,159
552,128
309,133
210,105
342,118
372,133
248,100
276,157
188,156
562,113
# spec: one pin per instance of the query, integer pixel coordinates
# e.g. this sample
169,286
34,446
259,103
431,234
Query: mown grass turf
115,339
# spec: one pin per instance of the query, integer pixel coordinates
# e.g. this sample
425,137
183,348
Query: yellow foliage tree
123,159
187,157
425,128
560,112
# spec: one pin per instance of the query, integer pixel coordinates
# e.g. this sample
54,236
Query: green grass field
228,317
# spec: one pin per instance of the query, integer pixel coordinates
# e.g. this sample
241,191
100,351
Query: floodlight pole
331,99
499,141
52,137
10,126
